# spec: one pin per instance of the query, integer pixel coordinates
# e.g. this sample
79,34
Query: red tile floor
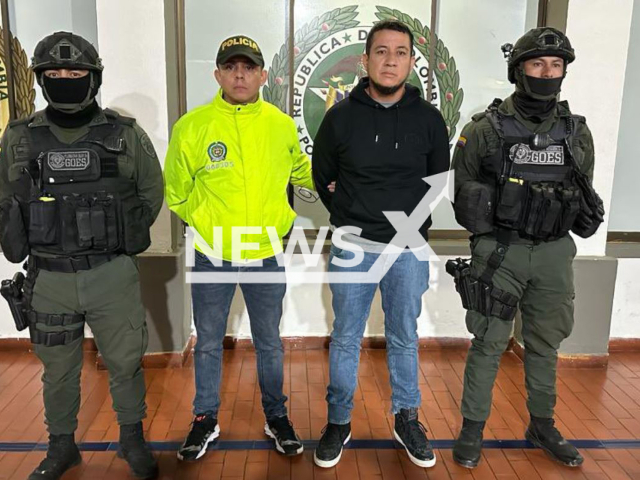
593,404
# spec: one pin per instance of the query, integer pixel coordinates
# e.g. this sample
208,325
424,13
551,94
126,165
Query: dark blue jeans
211,304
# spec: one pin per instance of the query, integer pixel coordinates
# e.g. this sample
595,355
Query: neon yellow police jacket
229,166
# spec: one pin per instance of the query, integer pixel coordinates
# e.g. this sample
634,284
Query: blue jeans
211,304
402,289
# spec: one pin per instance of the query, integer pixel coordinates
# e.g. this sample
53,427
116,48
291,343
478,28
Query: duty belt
72,264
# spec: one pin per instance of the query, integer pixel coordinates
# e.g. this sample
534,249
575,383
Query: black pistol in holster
460,270
480,296
12,291
478,293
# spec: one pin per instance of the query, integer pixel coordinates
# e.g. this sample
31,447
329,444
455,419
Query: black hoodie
378,157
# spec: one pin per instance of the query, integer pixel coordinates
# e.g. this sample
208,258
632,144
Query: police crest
217,151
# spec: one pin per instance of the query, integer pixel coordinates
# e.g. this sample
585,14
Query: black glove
589,218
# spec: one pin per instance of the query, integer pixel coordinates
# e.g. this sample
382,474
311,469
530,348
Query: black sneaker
62,455
329,450
281,430
543,434
204,430
468,446
136,452
413,437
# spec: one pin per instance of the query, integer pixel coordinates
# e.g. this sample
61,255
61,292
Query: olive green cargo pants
109,297
542,277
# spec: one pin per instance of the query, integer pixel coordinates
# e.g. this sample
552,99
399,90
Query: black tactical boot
543,434
62,455
136,452
468,446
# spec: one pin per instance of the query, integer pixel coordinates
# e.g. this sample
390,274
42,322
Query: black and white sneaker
281,430
413,437
329,450
204,430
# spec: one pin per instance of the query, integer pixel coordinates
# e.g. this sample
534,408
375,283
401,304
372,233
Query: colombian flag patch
462,141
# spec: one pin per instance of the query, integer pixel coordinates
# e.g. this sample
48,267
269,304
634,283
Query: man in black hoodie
377,146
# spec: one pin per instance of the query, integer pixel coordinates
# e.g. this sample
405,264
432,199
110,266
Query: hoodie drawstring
375,123
395,130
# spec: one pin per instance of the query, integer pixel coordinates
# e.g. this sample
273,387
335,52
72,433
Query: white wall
32,20
625,322
308,312
131,39
626,194
132,46
594,87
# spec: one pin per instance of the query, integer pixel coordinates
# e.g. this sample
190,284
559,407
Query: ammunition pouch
538,210
474,207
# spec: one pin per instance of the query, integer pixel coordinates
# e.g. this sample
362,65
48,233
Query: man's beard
386,91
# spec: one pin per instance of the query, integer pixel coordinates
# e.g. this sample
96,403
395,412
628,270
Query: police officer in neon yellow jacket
228,165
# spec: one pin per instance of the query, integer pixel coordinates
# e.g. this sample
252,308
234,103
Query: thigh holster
52,339
479,293
478,296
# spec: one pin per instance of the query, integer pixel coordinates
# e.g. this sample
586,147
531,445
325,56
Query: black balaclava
71,100
536,98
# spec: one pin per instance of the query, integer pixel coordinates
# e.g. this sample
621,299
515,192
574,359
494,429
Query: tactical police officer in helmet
79,189
523,172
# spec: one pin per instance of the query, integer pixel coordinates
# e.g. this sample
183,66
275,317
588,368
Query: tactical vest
81,203
536,191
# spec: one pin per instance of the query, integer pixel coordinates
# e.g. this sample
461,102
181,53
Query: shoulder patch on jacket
147,145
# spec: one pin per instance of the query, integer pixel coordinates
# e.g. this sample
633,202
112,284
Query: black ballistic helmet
538,42
70,51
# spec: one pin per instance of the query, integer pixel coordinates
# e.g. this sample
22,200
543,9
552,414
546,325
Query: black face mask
544,86
67,90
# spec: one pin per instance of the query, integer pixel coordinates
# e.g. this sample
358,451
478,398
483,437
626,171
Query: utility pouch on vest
551,209
137,237
83,223
474,207
89,221
12,292
570,198
43,219
13,234
510,204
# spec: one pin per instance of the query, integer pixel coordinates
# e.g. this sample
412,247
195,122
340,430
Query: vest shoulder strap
22,121
493,107
117,118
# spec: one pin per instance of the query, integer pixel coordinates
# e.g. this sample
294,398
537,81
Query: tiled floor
602,404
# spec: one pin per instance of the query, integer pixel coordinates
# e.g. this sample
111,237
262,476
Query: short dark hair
394,25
